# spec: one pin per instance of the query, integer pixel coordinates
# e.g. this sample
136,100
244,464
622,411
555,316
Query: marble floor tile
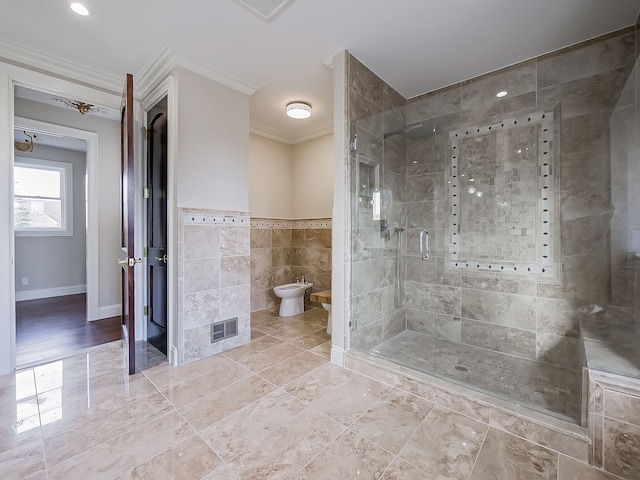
401,470
120,454
24,461
446,445
213,407
351,399
255,333
249,426
286,450
323,349
349,456
505,457
93,398
66,438
198,387
174,376
312,339
191,458
287,333
223,472
267,358
393,419
293,368
318,383
300,417
255,346
15,433
570,469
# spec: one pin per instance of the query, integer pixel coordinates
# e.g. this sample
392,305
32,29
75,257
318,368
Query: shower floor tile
532,384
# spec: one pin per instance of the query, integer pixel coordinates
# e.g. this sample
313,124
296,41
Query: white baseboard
337,356
50,292
109,311
173,356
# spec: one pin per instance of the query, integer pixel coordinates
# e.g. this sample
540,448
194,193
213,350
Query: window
43,197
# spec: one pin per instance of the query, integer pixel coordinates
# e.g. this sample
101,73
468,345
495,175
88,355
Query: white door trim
91,138
10,76
167,88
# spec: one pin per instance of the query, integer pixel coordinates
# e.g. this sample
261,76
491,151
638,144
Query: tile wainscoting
283,250
213,280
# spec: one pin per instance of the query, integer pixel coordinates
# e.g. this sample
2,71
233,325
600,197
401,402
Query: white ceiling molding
265,9
282,137
167,57
34,59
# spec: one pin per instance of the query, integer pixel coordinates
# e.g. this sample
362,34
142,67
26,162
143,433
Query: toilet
324,298
292,295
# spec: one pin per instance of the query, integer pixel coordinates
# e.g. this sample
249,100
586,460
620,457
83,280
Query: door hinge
146,251
145,133
145,193
146,310
353,145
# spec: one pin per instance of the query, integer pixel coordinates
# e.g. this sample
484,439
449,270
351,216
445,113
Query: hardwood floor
51,328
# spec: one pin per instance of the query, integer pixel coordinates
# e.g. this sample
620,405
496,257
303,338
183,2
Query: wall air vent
266,9
225,329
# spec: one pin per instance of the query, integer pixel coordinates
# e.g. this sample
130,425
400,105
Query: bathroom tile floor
274,408
540,386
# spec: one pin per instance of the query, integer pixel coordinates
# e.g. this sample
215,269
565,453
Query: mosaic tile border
212,219
301,224
544,266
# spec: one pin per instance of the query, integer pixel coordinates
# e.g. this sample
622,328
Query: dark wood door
157,226
128,260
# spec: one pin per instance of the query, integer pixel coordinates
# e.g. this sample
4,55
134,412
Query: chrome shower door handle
424,245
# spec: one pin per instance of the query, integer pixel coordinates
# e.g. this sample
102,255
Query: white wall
55,261
291,182
312,178
270,178
212,167
108,186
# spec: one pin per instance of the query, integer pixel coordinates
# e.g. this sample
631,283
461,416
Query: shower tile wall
283,250
213,279
592,89
374,108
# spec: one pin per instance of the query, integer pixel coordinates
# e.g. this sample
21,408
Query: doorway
156,195
57,295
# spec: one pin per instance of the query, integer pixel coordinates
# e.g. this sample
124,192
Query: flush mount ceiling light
501,94
80,9
298,110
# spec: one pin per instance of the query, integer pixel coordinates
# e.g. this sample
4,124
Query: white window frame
66,197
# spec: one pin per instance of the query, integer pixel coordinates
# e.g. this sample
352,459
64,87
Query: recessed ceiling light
80,9
298,110
501,94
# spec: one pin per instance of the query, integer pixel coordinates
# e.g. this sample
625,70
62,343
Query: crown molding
34,59
167,57
282,137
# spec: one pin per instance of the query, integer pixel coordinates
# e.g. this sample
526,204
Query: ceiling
415,45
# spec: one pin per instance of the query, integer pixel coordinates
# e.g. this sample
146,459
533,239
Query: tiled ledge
611,348
563,437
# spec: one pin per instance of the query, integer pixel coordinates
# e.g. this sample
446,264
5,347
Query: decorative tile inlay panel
501,197
276,223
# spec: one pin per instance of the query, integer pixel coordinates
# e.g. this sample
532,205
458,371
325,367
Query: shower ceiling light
501,94
298,110
80,9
